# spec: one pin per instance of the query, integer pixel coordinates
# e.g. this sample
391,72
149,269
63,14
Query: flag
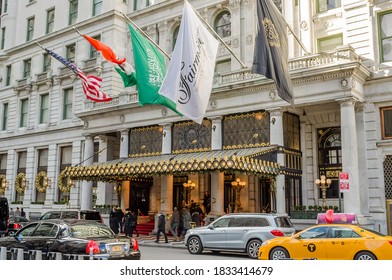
270,56
150,71
123,68
188,82
90,84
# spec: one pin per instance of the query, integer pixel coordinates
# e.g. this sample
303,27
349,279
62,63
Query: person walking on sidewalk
174,223
161,227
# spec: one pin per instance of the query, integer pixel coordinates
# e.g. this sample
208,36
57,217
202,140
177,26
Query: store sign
344,182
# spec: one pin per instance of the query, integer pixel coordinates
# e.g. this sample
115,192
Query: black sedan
73,237
16,223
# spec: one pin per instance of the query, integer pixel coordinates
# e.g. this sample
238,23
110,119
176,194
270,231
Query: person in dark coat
207,202
161,227
120,218
128,222
113,220
134,223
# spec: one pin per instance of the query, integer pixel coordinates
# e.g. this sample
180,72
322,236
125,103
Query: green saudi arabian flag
150,71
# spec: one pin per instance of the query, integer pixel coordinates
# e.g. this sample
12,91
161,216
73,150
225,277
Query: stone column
350,155
104,190
87,186
166,138
276,138
216,133
154,196
217,194
166,193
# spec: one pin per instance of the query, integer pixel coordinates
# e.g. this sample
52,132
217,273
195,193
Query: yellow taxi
329,242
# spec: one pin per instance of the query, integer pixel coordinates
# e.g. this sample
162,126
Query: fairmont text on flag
271,52
188,81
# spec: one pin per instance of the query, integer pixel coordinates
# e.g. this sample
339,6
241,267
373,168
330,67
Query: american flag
91,84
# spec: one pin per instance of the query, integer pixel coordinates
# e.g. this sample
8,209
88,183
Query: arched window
223,24
175,35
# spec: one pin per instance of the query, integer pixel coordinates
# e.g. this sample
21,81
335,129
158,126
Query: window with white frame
325,5
42,166
385,30
24,109
49,21
329,43
47,61
4,121
67,103
97,7
2,38
30,29
65,161
26,68
73,12
223,24
8,72
44,108
70,52
93,51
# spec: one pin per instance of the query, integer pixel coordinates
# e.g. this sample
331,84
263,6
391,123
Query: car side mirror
211,226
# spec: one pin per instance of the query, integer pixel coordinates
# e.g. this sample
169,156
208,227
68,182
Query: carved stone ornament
304,25
122,118
85,125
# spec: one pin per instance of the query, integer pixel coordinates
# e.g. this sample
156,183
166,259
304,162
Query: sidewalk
149,240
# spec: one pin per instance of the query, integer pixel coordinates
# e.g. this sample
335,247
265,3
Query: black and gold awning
242,160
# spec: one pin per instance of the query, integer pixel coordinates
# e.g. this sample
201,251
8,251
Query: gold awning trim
242,160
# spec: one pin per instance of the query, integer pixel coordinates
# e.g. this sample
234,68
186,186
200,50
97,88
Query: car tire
252,249
194,245
279,253
365,256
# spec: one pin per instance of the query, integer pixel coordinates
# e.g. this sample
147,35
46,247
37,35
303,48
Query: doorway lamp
323,183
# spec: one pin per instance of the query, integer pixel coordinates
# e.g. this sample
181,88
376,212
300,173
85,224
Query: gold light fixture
46,182
238,185
189,186
323,184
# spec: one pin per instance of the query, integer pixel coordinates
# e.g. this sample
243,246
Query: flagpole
219,38
145,35
77,31
39,45
291,30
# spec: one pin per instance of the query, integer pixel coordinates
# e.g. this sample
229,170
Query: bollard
20,254
3,253
35,255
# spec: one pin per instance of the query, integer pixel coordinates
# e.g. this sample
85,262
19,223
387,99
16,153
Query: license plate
116,248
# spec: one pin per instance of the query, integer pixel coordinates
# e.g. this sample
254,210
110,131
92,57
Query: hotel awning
241,160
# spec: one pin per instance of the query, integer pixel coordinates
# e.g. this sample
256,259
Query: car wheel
279,253
365,256
252,249
194,245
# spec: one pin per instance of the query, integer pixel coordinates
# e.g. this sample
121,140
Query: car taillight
276,232
135,244
92,245
17,226
390,242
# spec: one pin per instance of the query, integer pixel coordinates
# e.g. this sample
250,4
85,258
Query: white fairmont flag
188,80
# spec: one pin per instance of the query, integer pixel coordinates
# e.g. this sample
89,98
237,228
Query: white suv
242,232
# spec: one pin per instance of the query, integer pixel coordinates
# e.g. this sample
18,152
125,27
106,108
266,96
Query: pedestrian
186,221
22,212
174,223
17,211
113,219
207,202
134,224
128,222
120,218
161,227
196,215
12,213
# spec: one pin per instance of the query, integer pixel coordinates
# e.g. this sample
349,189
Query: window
385,27
3,161
291,126
67,105
93,51
224,222
97,7
5,117
135,5
49,21
26,68
223,66
2,38
23,112
30,29
5,9
319,232
73,12
8,75
44,108
43,158
386,123
223,24
47,62
175,35
325,5
70,53
65,160
329,43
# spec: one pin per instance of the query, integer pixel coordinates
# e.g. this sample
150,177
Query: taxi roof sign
337,218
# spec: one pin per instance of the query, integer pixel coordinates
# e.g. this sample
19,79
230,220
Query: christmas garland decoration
40,178
2,186
60,182
18,183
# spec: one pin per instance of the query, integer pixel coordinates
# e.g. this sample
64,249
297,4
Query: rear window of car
69,215
89,230
94,216
283,222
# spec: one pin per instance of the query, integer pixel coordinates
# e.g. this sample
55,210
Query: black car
4,216
16,223
73,237
90,215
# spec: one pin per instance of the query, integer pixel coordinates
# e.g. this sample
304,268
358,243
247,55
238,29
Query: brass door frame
389,215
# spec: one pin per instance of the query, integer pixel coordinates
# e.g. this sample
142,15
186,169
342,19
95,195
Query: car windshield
90,230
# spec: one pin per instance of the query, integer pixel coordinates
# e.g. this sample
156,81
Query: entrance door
266,203
139,199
